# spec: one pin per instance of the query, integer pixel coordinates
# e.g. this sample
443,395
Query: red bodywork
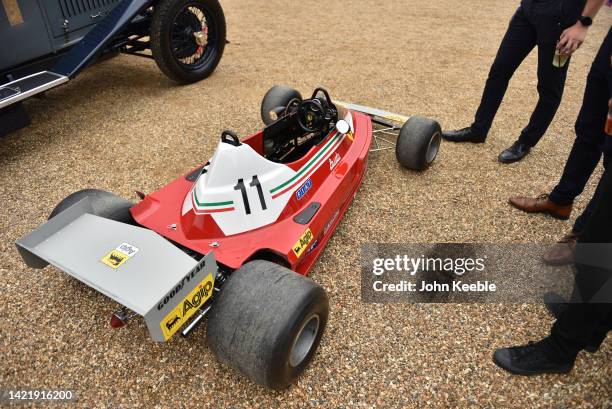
333,188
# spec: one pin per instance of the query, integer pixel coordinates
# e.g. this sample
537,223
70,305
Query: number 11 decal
254,183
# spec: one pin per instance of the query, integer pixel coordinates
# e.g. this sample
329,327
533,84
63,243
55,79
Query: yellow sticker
302,243
186,308
115,259
120,255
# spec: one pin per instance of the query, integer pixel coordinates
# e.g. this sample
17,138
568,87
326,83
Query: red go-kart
227,239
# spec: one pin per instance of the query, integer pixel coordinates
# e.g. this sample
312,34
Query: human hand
572,38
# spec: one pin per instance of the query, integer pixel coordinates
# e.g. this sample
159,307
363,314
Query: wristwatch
585,20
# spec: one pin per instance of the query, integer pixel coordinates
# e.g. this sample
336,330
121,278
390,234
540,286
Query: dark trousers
591,141
584,217
588,317
538,24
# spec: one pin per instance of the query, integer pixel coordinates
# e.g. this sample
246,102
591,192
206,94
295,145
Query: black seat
279,134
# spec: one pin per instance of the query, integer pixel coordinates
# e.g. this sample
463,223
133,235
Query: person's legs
585,215
562,252
586,318
551,82
590,136
600,334
582,220
547,17
518,42
583,323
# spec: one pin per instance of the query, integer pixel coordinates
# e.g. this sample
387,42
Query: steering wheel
311,115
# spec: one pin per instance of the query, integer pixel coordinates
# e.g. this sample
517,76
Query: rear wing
132,265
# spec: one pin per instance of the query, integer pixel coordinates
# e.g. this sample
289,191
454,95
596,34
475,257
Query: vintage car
52,41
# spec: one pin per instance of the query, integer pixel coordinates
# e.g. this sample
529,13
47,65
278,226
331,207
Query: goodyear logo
115,258
302,190
186,308
302,243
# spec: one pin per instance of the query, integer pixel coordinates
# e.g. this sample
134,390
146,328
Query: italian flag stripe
220,210
309,164
310,172
210,204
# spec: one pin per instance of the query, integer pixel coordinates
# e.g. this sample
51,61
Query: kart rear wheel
275,101
187,38
267,322
418,143
105,204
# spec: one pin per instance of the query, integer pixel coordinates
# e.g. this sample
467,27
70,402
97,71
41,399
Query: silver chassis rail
391,124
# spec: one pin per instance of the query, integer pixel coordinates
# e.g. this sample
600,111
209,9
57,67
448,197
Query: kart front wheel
267,322
418,143
187,38
275,102
104,204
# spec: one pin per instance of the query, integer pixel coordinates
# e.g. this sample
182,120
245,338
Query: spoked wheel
188,38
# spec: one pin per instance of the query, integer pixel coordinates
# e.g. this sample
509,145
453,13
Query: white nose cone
342,126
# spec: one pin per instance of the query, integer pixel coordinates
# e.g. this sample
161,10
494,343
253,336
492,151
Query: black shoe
463,135
516,152
556,306
531,359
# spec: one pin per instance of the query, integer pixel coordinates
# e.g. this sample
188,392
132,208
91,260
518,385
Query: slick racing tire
188,38
267,321
418,143
275,101
104,204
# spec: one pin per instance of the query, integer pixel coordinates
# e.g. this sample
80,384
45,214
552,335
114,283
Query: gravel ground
123,126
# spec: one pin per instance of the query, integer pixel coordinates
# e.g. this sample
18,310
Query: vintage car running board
31,85
134,266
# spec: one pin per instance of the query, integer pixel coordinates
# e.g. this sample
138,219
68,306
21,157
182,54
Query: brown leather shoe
541,204
562,252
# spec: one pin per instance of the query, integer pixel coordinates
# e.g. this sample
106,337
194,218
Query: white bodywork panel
217,192
242,191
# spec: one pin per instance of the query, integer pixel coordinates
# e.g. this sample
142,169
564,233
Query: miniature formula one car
233,239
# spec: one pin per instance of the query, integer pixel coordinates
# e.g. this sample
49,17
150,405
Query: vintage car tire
277,97
267,321
162,22
418,143
105,204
